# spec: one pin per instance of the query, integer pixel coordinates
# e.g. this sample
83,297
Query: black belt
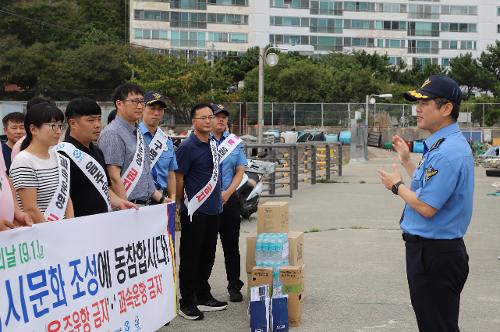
416,238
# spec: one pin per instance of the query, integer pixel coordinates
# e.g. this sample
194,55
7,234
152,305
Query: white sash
218,156
131,176
57,206
90,167
227,146
157,146
201,196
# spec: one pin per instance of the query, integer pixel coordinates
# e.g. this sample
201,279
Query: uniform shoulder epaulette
437,144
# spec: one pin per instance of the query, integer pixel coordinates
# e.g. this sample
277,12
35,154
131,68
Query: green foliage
468,72
183,83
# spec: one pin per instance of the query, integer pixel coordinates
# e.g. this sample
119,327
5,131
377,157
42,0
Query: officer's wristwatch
395,187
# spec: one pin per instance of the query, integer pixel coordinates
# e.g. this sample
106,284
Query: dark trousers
197,255
436,272
229,231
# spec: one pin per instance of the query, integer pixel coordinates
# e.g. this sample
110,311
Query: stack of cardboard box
272,217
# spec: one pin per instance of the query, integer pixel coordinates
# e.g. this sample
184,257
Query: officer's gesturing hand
388,178
403,151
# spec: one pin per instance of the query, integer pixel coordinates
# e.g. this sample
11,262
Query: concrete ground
354,255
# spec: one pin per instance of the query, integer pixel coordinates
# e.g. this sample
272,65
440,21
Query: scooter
250,188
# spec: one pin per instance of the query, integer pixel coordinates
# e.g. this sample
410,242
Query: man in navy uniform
233,168
438,206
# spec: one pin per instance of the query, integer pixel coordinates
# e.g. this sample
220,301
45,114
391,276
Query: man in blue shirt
233,168
199,197
438,206
163,169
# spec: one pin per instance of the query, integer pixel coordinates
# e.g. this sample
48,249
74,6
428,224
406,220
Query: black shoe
235,294
211,305
191,312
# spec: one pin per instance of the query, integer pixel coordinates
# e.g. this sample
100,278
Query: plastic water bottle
258,252
266,247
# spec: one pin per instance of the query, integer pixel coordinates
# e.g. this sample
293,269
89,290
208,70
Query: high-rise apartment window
326,8
229,2
151,15
227,19
297,4
188,4
458,10
150,34
459,27
188,20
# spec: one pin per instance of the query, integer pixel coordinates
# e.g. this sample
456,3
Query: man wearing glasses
199,197
125,152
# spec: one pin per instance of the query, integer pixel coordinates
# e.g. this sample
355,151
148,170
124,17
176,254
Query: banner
106,272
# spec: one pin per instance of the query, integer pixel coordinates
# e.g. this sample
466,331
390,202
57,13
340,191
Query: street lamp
368,97
271,60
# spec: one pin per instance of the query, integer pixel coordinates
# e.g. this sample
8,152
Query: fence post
290,155
313,163
322,114
294,110
272,115
295,169
272,177
483,116
348,114
328,164
339,159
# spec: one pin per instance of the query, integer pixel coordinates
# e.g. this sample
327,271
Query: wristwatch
162,199
395,187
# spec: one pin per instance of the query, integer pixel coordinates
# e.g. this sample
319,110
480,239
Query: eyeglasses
205,118
137,101
55,126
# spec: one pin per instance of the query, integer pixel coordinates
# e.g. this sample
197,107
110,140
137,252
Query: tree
467,71
490,59
183,83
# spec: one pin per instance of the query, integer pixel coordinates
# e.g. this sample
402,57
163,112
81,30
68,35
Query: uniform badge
429,173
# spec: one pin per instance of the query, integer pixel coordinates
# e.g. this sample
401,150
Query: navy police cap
436,86
154,97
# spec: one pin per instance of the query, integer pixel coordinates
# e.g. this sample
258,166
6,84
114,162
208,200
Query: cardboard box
292,280
272,217
250,263
295,248
260,276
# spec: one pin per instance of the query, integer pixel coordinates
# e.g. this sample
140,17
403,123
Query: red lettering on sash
52,217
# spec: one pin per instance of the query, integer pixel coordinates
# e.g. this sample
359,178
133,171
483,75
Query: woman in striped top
34,170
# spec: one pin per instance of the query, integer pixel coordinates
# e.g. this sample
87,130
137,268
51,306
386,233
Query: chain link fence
284,116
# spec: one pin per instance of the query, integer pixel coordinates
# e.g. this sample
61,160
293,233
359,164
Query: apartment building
412,31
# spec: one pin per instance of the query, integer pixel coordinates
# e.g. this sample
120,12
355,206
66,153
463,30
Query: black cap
217,109
154,97
437,86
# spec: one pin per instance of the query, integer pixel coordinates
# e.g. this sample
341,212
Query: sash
57,206
201,196
157,146
227,146
218,156
131,176
7,202
90,167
